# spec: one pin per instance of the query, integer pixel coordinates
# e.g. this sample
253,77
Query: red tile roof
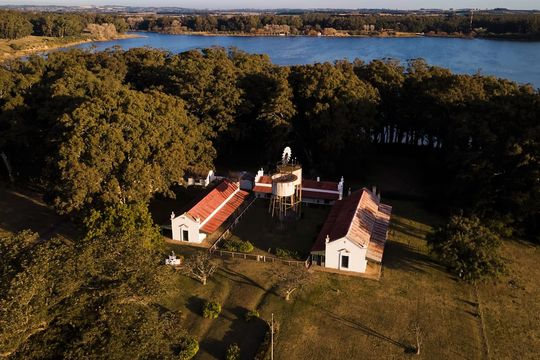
265,179
223,214
225,194
318,195
262,189
321,185
309,188
362,219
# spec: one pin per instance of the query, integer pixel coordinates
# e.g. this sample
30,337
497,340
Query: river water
515,60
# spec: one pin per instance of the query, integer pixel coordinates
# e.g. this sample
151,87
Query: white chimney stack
318,179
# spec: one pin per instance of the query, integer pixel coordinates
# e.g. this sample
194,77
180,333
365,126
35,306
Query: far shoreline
41,45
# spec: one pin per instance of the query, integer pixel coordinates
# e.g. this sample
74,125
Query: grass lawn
265,232
348,317
341,317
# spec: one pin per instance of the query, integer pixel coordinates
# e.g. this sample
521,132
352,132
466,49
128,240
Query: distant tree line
16,24
525,25
118,127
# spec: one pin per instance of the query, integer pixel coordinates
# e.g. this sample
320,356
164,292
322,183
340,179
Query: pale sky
272,4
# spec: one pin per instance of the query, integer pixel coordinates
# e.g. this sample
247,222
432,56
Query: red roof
319,195
321,185
362,219
225,194
262,189
265,179
309,188
223,214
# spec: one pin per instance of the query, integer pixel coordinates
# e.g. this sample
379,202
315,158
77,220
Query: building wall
184,222
343,247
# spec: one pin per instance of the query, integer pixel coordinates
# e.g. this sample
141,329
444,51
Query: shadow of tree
247,335
404,257
195,304
360,327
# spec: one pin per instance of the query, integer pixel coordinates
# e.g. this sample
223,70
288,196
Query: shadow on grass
403,257
195,304
240,278
402,227
247,335
361,327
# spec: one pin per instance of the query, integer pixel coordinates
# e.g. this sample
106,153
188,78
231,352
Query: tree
97,296
14,25
468,248
200,267
123,147
114,220
233,352
292,280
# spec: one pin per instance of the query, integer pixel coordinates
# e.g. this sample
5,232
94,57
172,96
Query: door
185,235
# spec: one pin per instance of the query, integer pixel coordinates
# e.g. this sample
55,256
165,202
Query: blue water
515,60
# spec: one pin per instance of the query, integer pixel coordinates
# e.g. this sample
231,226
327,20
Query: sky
272,4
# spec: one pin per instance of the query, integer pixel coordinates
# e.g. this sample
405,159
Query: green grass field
339,317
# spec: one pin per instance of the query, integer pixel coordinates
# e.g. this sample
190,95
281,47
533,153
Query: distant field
341,317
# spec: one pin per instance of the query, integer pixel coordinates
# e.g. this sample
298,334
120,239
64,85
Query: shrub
189,347
468,248
238,245
251,314
233,352
211,310
287,254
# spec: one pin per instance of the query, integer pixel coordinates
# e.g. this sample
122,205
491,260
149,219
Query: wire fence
259,258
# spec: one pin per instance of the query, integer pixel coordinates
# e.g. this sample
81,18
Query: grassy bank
10,49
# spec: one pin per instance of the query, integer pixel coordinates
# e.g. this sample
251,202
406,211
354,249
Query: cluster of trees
523,24
99,295
16,24
117,127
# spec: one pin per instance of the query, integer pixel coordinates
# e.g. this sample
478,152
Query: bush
233,352
189,347
287,254
251,314
468,248
238,245
211,310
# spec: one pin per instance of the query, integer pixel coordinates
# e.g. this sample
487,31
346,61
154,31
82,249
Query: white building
354,233
209,213
313,191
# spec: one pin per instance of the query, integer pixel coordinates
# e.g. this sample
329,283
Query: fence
231,226
259,258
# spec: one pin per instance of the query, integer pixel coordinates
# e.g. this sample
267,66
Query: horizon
301,5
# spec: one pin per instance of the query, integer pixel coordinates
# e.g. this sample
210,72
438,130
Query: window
185,235
345,261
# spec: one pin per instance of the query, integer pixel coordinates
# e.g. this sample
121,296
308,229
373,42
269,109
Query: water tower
286,187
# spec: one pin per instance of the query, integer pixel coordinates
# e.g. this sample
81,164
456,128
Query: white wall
357,255
184,222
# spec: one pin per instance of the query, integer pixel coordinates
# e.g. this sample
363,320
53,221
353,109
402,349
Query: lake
515,60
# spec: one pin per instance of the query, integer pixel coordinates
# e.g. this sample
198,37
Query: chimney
374,190
318,178
349,191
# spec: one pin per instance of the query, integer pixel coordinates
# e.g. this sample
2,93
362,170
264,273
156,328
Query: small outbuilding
209,213
354,233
